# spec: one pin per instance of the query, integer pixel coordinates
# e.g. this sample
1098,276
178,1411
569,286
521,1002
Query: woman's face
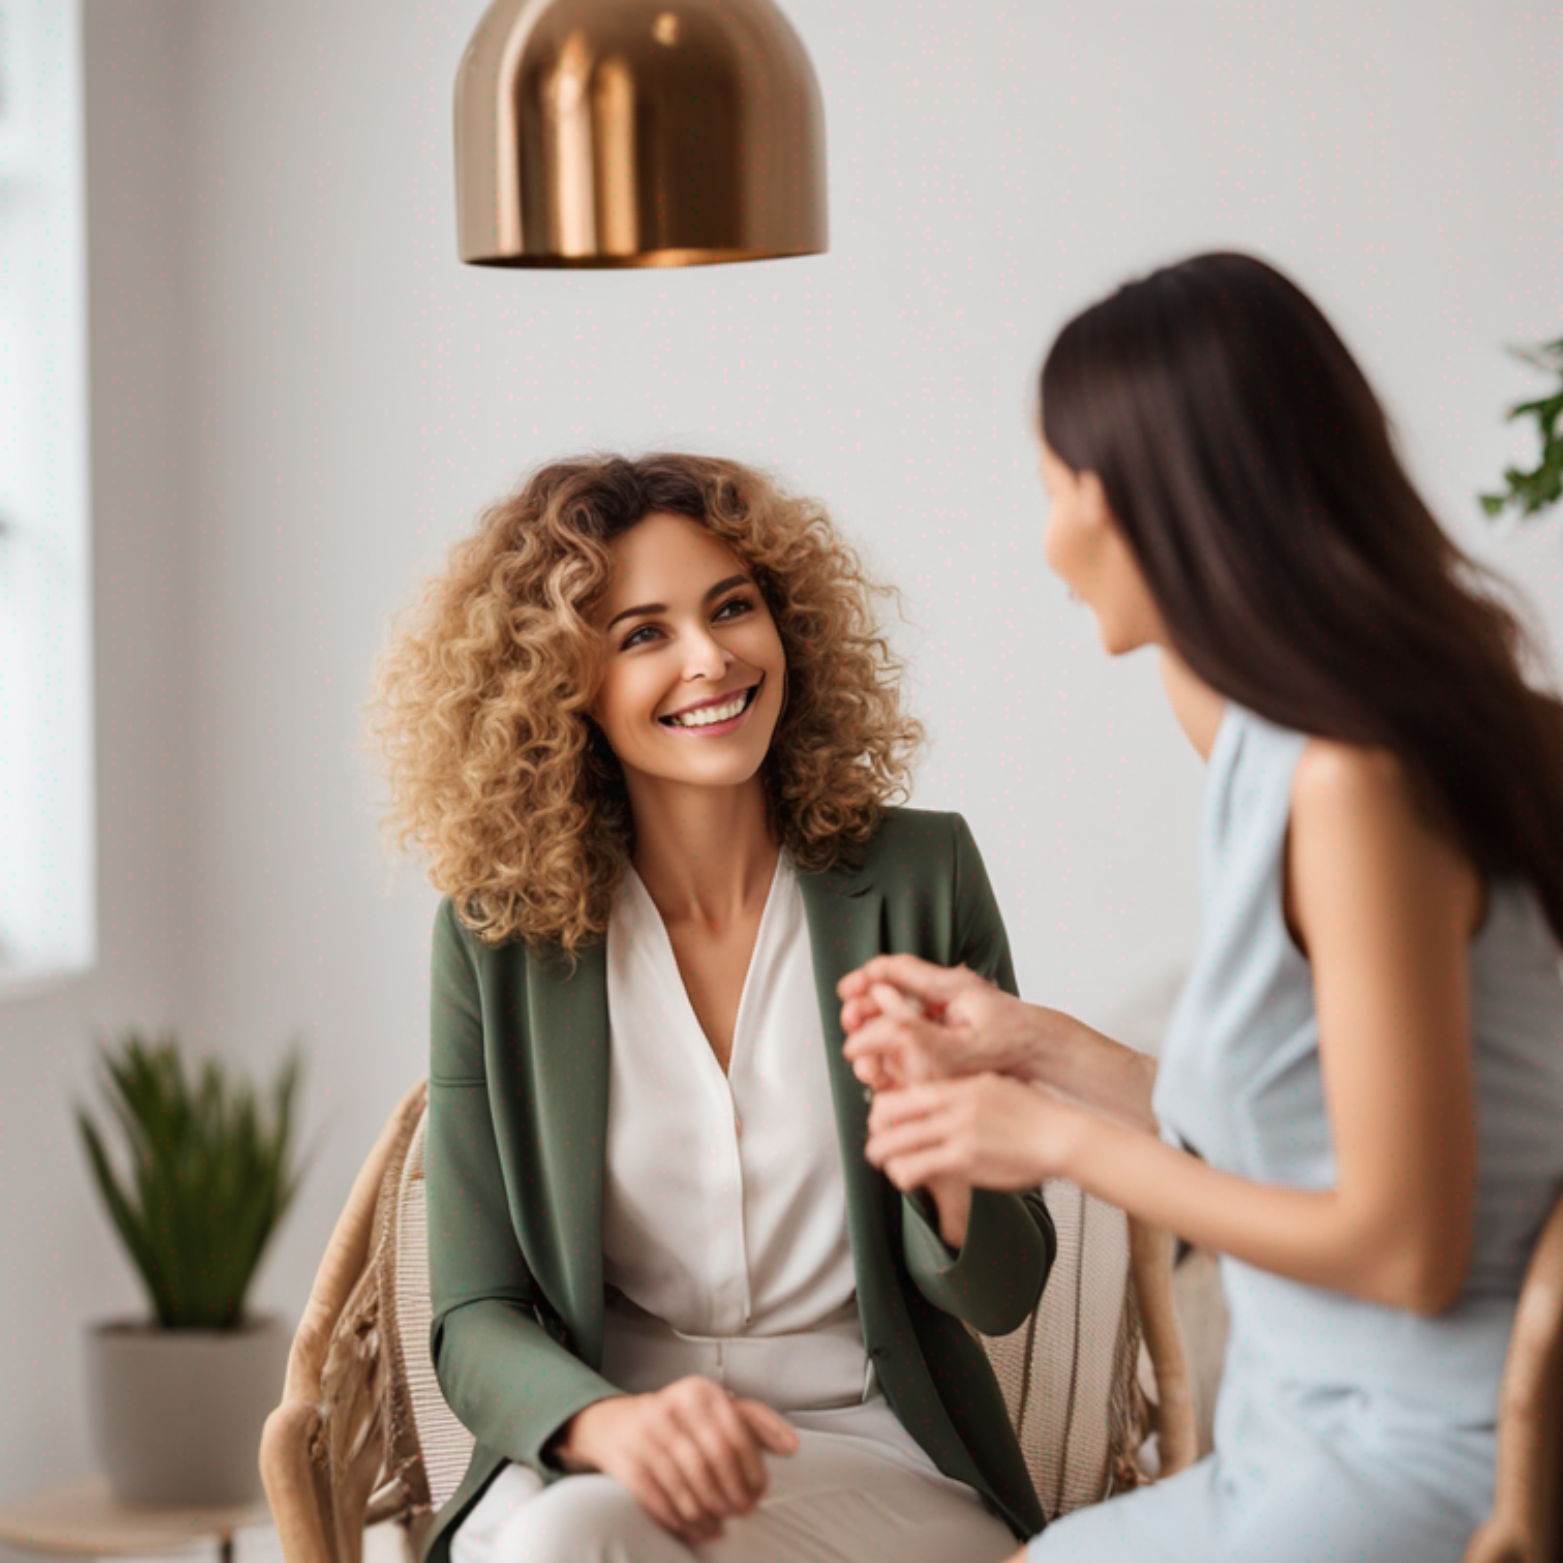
1087,552
693,667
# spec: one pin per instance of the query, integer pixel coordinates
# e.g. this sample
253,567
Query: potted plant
178,1402
1534,491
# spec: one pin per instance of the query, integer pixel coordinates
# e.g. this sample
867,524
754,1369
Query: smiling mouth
713,716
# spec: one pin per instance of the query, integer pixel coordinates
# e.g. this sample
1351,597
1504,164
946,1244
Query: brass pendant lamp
637,133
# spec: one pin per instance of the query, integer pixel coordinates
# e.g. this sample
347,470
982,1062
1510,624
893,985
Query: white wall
301,398
60,1269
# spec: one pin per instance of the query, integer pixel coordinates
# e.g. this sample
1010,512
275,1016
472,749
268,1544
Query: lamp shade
637,133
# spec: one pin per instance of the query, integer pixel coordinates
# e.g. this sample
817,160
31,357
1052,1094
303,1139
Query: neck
1196,705
705,854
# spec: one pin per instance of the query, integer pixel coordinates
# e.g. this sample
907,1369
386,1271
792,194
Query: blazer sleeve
996,1279
509,1381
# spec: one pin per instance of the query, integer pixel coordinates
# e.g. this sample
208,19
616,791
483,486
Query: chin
719,777
1120,639
733,769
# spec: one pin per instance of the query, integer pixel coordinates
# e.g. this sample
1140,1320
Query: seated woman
646,730
1359,1099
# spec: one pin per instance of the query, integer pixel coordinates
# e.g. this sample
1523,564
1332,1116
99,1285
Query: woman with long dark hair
1359,1102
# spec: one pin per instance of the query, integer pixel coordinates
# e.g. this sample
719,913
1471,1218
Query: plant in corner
1534,491
211,1170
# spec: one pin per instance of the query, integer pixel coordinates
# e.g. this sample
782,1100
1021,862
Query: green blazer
518,1095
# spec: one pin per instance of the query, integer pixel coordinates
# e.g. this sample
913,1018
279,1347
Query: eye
742,604
634,637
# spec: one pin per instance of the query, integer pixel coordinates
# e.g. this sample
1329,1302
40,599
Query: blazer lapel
567,1022
844,911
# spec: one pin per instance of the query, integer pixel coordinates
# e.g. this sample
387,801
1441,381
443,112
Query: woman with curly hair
648,734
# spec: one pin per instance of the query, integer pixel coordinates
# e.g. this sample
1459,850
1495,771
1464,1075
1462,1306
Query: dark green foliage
1535,490
211,1174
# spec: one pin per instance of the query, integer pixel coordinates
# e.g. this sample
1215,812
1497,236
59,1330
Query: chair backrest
323,1453
421,1421
1070,1373
381,1443
1526,1524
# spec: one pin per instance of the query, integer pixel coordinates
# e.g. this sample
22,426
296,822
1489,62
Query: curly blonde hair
497,773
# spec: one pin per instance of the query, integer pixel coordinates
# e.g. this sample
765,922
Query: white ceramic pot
177,1414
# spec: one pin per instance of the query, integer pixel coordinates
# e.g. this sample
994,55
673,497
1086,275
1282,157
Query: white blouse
725,1206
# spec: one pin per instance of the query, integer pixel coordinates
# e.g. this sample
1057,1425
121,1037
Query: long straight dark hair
1252,473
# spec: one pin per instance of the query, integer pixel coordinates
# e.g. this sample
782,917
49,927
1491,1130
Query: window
47,853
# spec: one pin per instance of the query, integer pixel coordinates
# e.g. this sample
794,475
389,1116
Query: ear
1094,509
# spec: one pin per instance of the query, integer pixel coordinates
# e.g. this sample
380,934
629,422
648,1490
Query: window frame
48,848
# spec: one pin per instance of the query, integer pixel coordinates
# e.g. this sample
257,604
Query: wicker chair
363,1434
1526,1524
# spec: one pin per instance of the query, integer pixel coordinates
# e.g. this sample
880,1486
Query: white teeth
708,715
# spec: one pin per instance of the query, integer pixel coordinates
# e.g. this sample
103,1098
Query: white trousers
859,1489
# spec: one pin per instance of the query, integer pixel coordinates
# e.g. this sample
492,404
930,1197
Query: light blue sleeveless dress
1345,1430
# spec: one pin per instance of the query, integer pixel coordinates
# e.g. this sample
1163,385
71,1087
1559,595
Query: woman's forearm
1091,1068
1314,1236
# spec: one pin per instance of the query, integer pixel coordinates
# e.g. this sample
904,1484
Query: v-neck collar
636,887
568,1025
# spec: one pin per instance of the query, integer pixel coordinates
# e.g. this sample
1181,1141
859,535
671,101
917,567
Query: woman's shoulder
907,828
451,935
1337,784
459,947
917,842
1361,818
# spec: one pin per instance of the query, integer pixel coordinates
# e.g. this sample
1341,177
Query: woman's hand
690,1453
909,1020
988,1130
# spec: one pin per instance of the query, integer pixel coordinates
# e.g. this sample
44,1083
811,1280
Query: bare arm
1385,907
1093,1070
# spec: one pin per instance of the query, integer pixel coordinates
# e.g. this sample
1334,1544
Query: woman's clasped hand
974,1084
690,1452
992,1131
953,1064
909,1020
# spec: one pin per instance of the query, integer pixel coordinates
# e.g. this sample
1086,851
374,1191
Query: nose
705,656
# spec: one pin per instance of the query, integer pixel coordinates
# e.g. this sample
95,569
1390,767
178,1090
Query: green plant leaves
1542,487
211,1173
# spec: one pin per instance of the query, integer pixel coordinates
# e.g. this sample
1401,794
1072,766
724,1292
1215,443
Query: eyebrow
662,607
